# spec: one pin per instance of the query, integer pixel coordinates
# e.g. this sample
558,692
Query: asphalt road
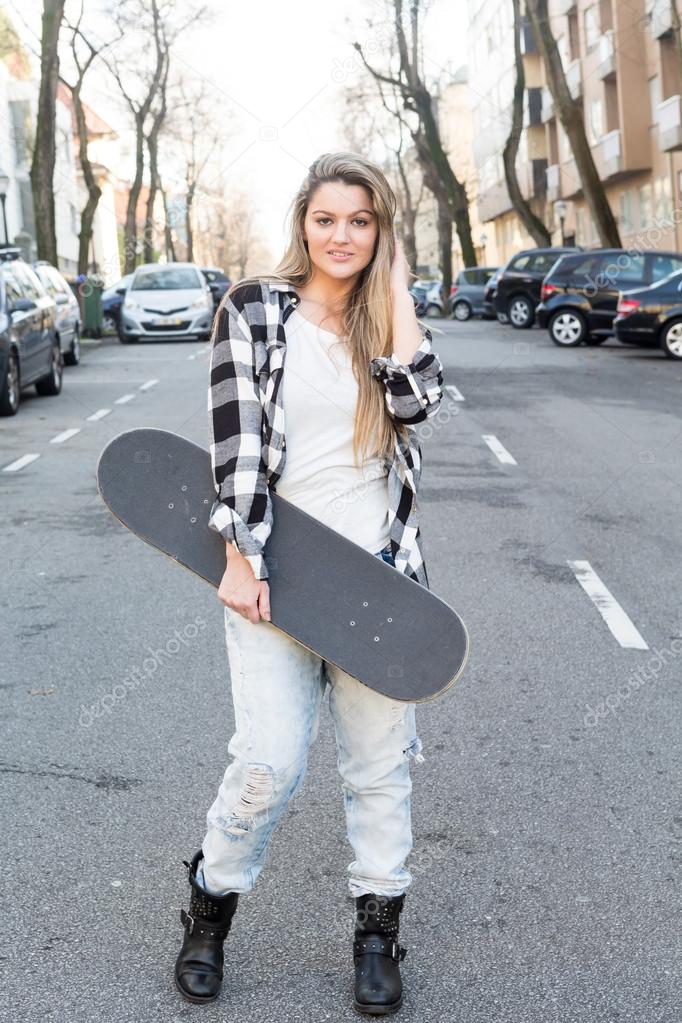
547,813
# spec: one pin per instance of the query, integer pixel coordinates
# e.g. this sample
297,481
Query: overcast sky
279,71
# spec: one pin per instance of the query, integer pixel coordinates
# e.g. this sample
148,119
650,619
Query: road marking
457,395
148,384
620,624
99,414
126,398
20,463
65,435
498,449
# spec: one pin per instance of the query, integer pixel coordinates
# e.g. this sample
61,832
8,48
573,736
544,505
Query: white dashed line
457,395
99,414
148,384
498,449
124,399
65,435
618,621
20,463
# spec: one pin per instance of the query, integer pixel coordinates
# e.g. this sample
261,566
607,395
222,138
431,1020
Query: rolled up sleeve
242,511
413,391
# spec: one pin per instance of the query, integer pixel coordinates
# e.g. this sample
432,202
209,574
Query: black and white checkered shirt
246,423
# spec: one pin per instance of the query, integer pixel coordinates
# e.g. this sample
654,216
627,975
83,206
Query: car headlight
132,307
199,303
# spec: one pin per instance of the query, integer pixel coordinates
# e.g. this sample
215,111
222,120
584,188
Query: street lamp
560,209
4,185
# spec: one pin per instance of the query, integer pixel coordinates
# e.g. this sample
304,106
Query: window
591,26
623,270
30,285
645,206
169,279
596,120
654,97
580,266
521,262
625,209
661,265
13,289
543,261
662,198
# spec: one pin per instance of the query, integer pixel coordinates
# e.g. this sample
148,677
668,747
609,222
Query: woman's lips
340,257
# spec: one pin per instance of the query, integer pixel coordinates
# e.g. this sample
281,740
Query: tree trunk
532,223
45,148
94,191
571,118
130,228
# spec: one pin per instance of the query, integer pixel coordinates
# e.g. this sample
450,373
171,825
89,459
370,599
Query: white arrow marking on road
65,435
454,392
99,414
126,398
620,624
498,449
20,463
147,384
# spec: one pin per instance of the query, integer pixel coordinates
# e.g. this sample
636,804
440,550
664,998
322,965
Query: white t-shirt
319,393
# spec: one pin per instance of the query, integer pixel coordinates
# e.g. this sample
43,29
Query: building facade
622,67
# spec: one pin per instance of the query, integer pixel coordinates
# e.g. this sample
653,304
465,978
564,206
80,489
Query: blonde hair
368,316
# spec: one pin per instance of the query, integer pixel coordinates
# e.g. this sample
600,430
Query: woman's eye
358,220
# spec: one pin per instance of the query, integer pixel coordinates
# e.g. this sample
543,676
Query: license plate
167,321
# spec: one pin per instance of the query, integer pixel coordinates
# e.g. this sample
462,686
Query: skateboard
326,592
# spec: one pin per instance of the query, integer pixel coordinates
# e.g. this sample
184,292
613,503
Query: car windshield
169,279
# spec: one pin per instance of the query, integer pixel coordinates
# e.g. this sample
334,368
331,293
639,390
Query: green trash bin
91,291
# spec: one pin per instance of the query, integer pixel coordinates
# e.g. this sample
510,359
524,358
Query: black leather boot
199,966
377,954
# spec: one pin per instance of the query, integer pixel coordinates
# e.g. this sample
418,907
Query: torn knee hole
255,795
414,751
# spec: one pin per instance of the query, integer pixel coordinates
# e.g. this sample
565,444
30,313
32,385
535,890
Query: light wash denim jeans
277,689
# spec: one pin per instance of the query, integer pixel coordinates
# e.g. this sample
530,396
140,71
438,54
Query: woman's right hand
241,591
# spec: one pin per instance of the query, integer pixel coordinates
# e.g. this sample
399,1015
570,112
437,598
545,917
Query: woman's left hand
400,273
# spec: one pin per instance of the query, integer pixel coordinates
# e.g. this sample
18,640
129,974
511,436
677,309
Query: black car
519,281
217,281
467,295
652,316
30,352
580,293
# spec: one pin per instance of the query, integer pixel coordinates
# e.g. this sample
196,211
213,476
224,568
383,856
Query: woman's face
341,229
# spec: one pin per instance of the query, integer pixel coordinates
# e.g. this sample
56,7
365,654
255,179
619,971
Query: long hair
368,316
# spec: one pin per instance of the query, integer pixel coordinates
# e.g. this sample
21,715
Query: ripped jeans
277,689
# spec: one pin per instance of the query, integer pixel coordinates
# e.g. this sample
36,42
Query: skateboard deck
329,594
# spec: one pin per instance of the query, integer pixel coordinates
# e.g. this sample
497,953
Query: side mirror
121,291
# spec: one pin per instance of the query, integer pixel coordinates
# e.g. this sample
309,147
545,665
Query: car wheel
10,394
671,339
567,328
73,356
433,310
109,325
51,383
520,312
461,310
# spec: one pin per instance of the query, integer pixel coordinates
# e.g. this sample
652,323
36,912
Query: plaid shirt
246,423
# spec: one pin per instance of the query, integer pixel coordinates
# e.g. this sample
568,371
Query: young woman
330,345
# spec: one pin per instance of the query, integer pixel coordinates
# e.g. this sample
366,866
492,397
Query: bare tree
45,146
532,223
439,176
152,139
80,40
571,118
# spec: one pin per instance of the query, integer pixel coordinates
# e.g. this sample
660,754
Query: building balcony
670,124
574,79
553,182
606,55
659,17
611,154
547,109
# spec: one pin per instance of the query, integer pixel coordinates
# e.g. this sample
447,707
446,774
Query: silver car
166,300
68,311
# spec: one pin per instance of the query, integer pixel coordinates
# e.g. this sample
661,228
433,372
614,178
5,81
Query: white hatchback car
166,300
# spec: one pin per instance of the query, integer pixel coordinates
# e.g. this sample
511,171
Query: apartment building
622,67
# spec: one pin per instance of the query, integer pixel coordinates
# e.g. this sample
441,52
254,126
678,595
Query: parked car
69,323
217,281
652,316
30,352
580,292
166,300
112,300
517,291
428,300
467,296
